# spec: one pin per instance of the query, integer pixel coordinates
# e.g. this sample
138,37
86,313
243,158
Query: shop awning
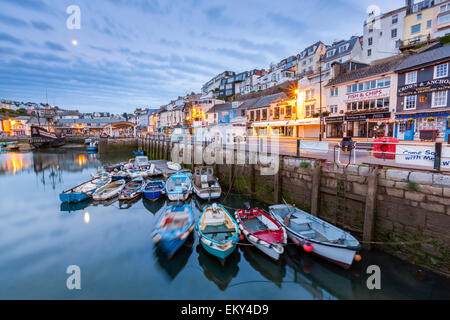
260,124
306,122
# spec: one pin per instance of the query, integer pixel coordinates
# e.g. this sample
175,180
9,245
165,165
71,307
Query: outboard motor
347,144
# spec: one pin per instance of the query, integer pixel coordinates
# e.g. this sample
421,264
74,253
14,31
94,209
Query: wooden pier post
253,180
369,214
315,192
277,182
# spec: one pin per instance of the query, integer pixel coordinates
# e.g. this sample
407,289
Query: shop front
369,125
334,127
423,126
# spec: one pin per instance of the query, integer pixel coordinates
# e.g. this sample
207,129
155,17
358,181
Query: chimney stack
336,68
409,6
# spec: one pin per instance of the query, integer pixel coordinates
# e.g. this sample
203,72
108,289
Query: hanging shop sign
367,95
424,87
366,116
334,119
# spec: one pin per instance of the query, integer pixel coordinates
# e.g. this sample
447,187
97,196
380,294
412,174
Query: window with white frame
410,102
394,33
394,19
310,110
444,8
331,52
411,77
334,92
441,71
309,94
333,109
439,99
444,19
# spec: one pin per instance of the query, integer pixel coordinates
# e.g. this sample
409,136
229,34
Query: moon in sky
74,42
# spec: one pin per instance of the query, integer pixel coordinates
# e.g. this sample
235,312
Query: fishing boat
137,174
154,190
141,162
114,167
218,231
205,184
109,191
262,230
82,191
42,138
138,153
132,189
153,171
120,175
92,146
174,166
173,228
317,236
178,187
12,146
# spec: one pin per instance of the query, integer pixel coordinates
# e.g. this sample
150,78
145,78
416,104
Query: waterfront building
382,35
362,100
272,115
425,22
310,87
87,126
423,106
213,85
249,84
343,51
308,59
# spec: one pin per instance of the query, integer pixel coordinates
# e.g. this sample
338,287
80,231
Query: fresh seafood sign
421,155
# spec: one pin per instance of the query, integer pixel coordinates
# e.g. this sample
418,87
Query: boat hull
343,257
152,195
73,197
221,254
272,253
205,194
178,196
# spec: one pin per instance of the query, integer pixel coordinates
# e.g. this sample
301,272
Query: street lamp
320,98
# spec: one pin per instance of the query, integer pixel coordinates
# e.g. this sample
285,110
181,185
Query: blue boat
218,231
138,153
83,191
132,189
154,190
92,146
173,228
179,187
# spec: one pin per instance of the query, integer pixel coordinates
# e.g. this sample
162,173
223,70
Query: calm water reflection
112,244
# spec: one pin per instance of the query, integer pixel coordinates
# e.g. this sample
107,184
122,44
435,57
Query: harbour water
112,245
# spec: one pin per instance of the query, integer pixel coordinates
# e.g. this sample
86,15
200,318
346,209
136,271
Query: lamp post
320,98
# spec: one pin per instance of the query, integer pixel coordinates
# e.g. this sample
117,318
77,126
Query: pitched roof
267,100
387,65
442,53
339,53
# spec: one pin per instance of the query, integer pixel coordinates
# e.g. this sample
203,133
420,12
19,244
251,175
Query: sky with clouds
134,53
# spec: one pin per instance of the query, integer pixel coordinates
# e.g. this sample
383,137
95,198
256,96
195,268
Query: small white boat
317,236
109,191
153,171
141,162
205,184
179,187
174,166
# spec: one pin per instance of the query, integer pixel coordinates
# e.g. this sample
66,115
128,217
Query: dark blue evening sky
134,53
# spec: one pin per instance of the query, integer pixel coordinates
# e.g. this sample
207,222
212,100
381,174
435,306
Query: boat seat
300,224
309,234
214,219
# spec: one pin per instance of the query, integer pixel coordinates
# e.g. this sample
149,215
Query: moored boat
132,189
154,190
120,175
138,153
262,230
178,187
173,228
92,146
174,166
109,191
42,138
317,236
82,191
218,231
205,184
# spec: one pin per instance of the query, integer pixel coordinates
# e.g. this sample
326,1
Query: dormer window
343,48
331,53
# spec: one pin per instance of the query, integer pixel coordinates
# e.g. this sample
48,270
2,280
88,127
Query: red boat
261,230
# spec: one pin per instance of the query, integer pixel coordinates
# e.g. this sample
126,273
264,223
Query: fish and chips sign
367,95
421,156
424,87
